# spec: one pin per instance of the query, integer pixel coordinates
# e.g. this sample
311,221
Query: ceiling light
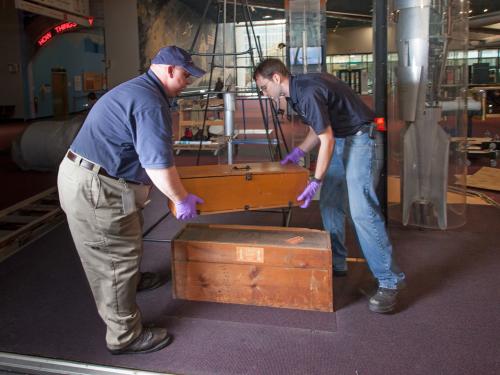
266,17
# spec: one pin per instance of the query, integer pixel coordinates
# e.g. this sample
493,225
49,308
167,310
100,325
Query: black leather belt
88,165
362,130
366,128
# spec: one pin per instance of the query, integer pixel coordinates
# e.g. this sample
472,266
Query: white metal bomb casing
423,31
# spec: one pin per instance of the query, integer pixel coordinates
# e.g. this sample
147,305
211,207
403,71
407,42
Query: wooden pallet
28,220
485,178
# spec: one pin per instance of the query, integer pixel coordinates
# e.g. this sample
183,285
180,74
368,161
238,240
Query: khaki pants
107,231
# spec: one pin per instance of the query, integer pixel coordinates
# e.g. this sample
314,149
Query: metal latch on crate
248,175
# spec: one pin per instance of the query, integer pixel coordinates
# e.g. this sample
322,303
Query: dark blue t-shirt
323,100
129,129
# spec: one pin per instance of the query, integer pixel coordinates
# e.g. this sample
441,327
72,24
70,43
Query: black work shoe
150,340
149,281
383,301
339,273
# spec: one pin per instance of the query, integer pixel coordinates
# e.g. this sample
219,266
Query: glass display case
306,41
306,35
427,119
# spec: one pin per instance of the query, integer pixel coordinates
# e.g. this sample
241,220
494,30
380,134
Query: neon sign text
44,38
59,29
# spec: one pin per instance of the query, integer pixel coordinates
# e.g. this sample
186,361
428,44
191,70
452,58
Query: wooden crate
253,265
239,187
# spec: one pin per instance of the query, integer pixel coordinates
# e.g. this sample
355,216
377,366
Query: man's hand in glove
309,192
294,156
186,209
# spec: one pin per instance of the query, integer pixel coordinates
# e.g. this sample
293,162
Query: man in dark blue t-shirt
347,168
124,145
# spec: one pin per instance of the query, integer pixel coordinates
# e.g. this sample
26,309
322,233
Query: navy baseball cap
173,55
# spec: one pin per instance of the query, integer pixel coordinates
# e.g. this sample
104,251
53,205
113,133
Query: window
272,38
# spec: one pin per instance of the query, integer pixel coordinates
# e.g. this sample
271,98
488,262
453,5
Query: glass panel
474,54
306,35
341,59
353,59
271,36
306,41
489,53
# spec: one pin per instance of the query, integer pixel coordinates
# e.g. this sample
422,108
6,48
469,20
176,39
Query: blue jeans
349,187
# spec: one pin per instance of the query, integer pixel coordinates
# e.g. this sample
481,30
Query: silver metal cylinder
229,108
229,101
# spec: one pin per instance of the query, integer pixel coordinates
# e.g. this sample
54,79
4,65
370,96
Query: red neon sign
59,29
44,38
65,27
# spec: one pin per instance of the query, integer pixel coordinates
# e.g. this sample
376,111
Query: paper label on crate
250,254
295,240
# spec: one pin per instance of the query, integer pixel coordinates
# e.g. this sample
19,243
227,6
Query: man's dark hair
268,67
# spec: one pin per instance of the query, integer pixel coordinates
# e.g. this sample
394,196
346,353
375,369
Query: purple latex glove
294,156
186,209
309,193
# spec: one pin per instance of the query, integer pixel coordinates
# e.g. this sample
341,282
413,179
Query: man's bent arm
310,141
327,144
167,180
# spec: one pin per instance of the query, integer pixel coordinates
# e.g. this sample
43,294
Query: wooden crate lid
256,235
221,170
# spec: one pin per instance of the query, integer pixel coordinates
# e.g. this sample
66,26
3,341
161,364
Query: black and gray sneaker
339,273
383,301
150,340
149,281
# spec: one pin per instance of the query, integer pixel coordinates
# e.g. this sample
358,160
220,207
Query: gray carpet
448,321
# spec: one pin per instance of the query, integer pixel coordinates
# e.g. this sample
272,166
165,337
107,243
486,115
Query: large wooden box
239,187
252,265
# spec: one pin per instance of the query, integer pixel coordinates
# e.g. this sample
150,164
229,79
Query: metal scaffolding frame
254,44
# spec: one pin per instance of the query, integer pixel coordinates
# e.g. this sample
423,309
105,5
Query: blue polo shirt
129,129
323,100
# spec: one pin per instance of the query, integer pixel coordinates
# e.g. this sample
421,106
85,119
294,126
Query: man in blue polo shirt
124,146
343,126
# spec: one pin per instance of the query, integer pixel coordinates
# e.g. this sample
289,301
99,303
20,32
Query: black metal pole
195,39
265,118
380,89
209,87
